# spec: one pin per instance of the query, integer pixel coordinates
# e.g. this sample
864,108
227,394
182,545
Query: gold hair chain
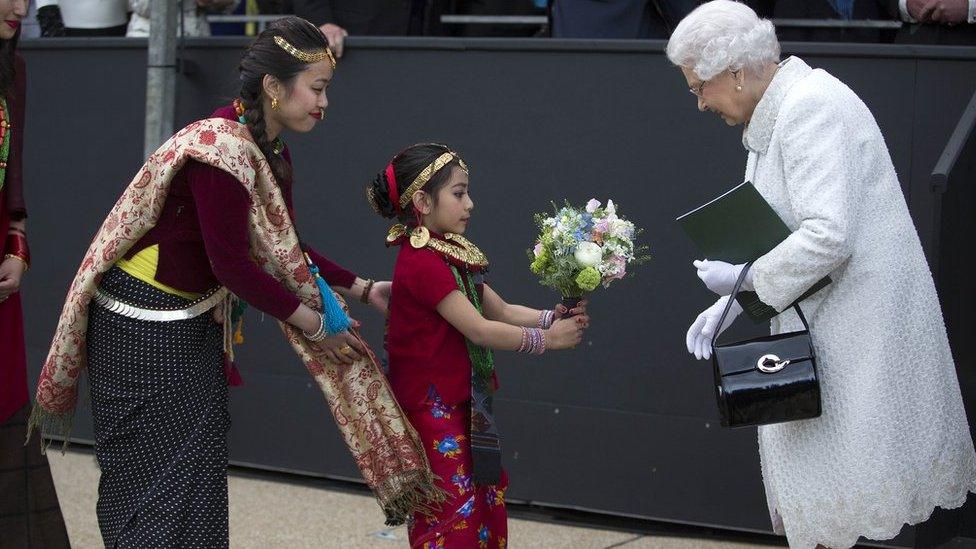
306,56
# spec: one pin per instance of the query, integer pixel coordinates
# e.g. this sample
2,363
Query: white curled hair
721,35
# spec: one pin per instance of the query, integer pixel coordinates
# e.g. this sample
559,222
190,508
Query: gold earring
274,103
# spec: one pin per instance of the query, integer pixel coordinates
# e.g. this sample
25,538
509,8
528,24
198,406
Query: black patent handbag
771,379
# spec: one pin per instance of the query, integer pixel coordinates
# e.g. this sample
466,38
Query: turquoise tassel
242,119
336,320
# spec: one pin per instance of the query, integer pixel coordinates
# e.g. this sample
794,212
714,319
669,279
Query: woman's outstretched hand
562,311
379,295
566,333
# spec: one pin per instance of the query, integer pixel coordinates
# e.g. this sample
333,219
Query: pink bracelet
546,319
533,341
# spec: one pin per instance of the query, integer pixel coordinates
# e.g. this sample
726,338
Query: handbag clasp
770,364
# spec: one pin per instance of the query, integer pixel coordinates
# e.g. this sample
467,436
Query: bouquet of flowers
579,249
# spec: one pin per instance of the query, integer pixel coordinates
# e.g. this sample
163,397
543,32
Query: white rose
589,254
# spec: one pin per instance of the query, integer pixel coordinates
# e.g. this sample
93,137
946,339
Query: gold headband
429,172
306,56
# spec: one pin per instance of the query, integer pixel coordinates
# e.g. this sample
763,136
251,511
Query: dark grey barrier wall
625,424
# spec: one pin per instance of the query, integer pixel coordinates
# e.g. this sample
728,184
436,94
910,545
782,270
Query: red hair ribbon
394,192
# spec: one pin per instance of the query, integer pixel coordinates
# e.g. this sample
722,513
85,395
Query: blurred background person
193,21
624,19
82,17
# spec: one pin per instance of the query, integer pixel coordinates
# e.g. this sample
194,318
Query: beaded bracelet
546,319
533,341
21,259
525,340
319,334
368,287
16,246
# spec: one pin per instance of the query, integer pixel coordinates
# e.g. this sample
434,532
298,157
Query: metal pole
161,74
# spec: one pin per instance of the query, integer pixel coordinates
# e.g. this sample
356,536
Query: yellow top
143,266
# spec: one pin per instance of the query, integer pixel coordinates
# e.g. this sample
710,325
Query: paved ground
267,511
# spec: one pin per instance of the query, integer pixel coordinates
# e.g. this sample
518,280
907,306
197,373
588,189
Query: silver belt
194,310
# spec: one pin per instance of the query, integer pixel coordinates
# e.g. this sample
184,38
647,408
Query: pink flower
592,205
621,268
538,249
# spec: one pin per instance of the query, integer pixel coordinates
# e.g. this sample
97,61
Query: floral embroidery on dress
468,508
483,536
449,446
461,480
436,544
495,496
436,404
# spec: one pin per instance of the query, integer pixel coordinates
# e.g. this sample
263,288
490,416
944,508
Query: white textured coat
893,441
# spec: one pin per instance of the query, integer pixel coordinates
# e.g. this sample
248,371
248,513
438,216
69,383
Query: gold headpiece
429,172
306,56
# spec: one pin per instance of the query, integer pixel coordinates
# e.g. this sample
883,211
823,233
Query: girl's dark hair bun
378,195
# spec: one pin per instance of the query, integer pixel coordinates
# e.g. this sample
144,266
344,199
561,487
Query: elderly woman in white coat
892,442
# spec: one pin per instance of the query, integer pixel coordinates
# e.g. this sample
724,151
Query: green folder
737,227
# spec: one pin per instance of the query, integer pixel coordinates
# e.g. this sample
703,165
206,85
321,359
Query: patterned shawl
386,448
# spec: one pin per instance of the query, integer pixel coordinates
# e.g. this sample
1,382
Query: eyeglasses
697,90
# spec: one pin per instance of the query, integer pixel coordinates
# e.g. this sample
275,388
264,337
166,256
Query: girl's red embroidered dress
431,372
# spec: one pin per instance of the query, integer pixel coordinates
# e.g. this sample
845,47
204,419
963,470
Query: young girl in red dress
444,323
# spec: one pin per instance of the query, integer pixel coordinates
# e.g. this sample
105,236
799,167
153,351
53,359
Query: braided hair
407,165
263,57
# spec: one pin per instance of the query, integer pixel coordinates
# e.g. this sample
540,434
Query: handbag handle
732,296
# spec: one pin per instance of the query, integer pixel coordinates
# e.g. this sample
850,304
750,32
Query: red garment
424,349
13,356
202,234
13,185
473,516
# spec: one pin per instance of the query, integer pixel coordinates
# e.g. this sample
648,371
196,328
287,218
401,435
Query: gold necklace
465,251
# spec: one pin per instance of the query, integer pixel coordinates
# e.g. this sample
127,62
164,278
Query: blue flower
587,222
449,446
467,508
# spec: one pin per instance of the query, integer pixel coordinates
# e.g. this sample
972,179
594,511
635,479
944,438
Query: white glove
703,329
720,276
